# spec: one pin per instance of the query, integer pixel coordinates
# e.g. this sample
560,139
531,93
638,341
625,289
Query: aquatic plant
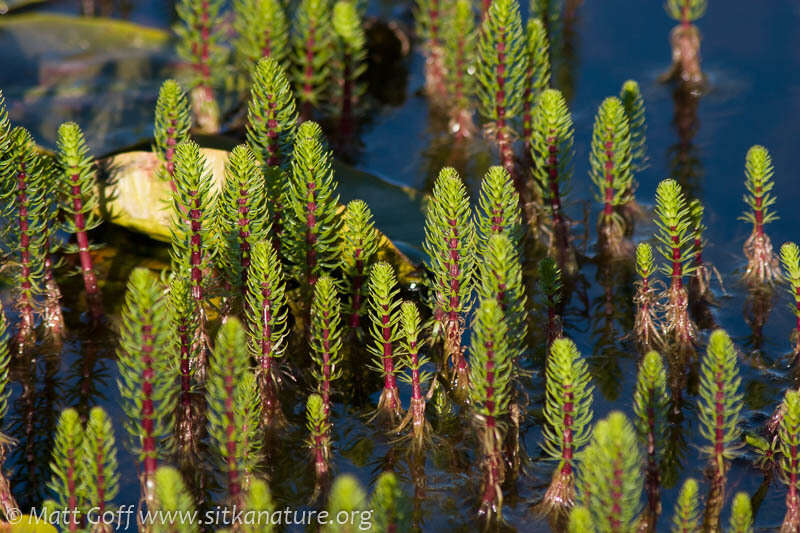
611,172
242,218
686,516
431,18
100,467
551,145
23,196
52,315
450,245
633,102
192,234
500,72
701,277
247,408
762,264
262,30
675,244
789,449
347,497
741,514
411,343
790,258
312,35
568,415
384,316
78,190
201,49
172,124
319,429
7,500
610,477
258,500
326,340
174,501
537,75
271,126
311,241
490,393
391,505
146,382
550,282
350,64
459,64
68,476
499,209
5,125
226,417
580,520
719,408
685,40
645,325
267,313
650,406
359,249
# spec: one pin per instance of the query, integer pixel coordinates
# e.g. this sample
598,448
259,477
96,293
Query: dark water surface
751,55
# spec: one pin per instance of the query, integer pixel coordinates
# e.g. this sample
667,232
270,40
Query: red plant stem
797,307
503,143
89,279
72,498
389,381
266,49
759,212
416,388
169,154
454,270
308,73
148,409
326,367
485,5
608,208
203,53
244,235
101,479
617,482
26,305
320,461
677,268
493,473
234,486
435,59
186,383
311,236
358,283
653,477
196,260
719,422
568,451
698,254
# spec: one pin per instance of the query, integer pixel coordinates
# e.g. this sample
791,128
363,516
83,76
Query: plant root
762,263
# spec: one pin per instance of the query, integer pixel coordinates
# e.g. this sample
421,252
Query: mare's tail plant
5,125
500,72
350,66
227,417
146,380
459,56
568,415
392,506
384,314
646,322
192,232
23,195
580,520
271,125
347,497
719,407
172,124
550,282
675,243
686,516
610,481
100,467
790,258
685,40
537,75
498,209
267,312
490,393
701,278
789,449
741,514
611,172
262,29
412,342
247,409
762,264
312,42
326,341
359,251
200,48
77,186
242,218
174,502
313,225
7,501
551,145
68,481
450,245
431,18
633,102
53,316
651,405
319,429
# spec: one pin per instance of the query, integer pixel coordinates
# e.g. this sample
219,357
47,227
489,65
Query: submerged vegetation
281,341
